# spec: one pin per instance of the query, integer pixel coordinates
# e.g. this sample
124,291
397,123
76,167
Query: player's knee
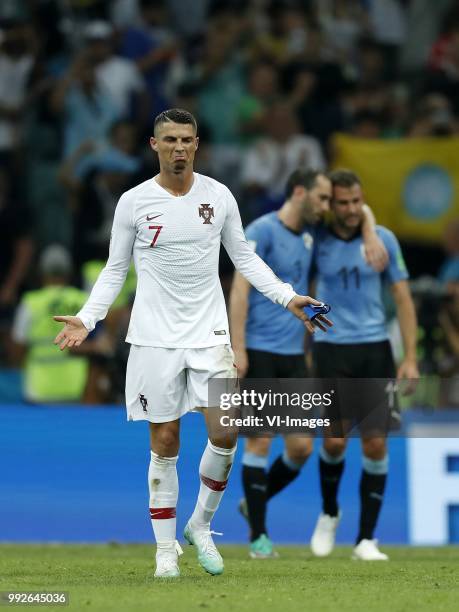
300,451
335,446
374,448
166,442
258,446
298,458
225,440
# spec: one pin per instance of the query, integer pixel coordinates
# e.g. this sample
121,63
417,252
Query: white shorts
163,384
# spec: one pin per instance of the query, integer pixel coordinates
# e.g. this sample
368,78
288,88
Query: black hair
304,178
175,115
344,178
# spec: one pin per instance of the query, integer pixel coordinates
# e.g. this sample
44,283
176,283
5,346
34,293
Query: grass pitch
120,578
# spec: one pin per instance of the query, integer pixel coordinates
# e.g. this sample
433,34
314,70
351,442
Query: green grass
118,577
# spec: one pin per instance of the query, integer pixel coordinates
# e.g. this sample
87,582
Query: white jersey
175,241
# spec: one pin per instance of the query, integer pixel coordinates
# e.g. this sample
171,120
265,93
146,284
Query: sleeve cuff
87,322
288,296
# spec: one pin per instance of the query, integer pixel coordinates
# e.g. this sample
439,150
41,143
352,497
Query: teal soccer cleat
262,548
208,556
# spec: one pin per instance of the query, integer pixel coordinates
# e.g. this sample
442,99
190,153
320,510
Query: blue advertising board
79,474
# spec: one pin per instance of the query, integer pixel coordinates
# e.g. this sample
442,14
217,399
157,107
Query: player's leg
155,387
218,456
374,424
255,483
330,362
372,484
331,467
214,470
262,364
286,468
163,489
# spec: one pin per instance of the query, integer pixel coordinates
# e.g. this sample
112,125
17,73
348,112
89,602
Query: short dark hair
175,115
344,178
303,178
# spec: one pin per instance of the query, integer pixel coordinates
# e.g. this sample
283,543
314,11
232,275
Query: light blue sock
375,466
293,465
252,460
325,456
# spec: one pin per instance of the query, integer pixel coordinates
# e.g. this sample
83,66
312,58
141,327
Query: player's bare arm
238,308
375,252
406,314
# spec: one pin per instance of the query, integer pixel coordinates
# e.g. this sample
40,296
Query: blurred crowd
270,82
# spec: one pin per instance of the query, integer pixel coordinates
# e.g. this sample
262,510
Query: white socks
214,470
163,486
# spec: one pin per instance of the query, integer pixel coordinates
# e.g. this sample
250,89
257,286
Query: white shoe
208,556
323,538
167,560
367,550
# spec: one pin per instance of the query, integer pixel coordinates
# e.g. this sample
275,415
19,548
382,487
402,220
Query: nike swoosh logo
155,217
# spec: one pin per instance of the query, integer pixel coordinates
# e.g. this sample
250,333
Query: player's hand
242,362
73,334
376,254
408,373
296,306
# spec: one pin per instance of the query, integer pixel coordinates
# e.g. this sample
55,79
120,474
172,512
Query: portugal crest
206,212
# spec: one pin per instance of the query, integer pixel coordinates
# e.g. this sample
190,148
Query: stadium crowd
270,82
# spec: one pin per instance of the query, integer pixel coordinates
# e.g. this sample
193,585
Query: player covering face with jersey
173,225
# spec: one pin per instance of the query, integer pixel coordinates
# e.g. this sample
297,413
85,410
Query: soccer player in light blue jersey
269,345
358,347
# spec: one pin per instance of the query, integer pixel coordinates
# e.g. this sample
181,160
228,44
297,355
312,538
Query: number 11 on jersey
158,229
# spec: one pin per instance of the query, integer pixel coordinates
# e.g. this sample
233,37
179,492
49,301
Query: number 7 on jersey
158,229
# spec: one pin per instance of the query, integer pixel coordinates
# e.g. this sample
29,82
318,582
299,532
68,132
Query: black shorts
368,402
272,365
366,360
263,364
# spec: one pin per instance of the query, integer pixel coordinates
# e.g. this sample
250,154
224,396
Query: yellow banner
412,185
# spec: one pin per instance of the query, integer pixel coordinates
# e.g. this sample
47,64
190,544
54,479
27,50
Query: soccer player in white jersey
173,225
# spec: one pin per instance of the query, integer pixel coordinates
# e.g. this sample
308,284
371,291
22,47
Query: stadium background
370,84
